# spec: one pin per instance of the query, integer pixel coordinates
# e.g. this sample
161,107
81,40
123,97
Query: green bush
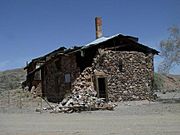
158,82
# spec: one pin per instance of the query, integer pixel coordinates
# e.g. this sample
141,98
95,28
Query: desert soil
129,118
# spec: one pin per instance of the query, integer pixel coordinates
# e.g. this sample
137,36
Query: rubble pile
84,102
36,91
83,97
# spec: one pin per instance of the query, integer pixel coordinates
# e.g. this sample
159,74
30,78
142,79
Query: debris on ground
82,100
83,97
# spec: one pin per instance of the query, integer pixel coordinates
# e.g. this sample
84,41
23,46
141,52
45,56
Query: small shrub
158,82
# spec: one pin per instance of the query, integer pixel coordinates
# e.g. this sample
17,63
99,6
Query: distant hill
11,79
166,82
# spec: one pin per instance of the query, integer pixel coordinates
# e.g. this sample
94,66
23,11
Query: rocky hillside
11,79
166,82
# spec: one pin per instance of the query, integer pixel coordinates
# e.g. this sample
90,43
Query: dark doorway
58,93
102,88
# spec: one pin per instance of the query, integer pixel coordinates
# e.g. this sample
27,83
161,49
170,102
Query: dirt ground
129,118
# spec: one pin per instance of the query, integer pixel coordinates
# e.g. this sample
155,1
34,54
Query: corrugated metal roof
99,40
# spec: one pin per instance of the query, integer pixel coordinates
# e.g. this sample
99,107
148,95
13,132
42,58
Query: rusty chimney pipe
98,23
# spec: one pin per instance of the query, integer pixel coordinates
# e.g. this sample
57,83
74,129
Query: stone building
116,67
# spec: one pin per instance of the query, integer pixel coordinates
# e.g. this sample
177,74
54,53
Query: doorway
101,85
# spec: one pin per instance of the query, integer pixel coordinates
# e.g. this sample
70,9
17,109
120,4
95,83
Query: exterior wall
33,79
129,75
30,78
134,81
55,86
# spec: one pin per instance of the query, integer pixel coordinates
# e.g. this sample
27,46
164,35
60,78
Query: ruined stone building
116,67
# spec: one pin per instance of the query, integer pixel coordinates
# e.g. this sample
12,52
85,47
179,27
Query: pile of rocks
36,91
83,102
83,97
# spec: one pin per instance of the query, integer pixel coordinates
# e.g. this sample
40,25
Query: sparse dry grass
11,79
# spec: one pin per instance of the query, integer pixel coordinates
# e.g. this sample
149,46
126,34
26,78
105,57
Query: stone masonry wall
129,74
55,86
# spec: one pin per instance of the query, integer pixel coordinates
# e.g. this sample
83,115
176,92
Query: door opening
101,87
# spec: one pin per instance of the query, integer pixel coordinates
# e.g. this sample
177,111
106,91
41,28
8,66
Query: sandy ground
129,118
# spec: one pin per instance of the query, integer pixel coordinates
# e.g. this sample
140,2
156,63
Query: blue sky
32,28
